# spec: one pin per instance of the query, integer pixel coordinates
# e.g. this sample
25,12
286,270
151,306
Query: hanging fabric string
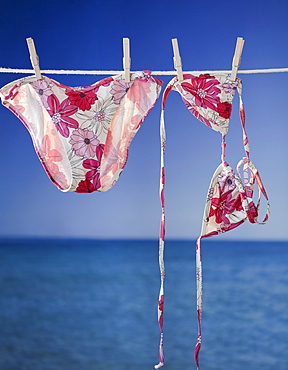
156,73
162,227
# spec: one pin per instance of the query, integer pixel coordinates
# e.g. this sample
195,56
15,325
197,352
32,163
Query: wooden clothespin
126,59
34,58
177,59
237,57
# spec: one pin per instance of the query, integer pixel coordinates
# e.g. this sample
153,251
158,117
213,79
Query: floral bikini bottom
82,134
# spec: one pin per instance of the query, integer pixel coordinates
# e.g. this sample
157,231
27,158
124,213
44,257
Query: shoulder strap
249,181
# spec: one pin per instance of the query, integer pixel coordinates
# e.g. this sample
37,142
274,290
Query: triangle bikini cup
229,201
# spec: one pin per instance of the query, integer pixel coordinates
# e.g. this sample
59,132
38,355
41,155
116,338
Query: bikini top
229,202
82,134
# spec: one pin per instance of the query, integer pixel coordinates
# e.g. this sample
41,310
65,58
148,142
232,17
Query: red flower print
85,186
204,89
60,114
252,212
99,151
162,198
161,303
82,98
242,114
94,174
105,82
161,309
163,175
224,205
206,76
224,110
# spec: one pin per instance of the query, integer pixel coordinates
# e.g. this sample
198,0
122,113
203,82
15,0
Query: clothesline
159,73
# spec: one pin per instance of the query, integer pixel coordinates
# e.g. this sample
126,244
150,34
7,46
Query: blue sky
88,35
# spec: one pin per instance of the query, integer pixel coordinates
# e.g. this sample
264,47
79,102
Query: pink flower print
137,121
43,90
226,227
84,142
94,173
249,192
18,96
230,88
119,90
51,156
85,186
224,205
204,89
19,109
197,114
99,116
139,94
116,157
162,229
94,167
226,182
242,117
61,113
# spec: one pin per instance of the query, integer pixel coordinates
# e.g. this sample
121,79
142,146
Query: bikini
82,134
229,201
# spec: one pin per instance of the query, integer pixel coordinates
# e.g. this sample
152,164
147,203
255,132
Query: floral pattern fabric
82,134
229,201
208,98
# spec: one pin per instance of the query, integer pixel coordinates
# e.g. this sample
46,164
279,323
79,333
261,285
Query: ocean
92,305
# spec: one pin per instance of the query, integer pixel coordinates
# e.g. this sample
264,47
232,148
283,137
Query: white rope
159,73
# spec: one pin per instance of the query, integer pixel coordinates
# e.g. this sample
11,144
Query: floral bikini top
229,202
82,134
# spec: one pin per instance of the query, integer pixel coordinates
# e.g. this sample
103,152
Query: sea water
92,305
